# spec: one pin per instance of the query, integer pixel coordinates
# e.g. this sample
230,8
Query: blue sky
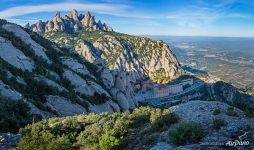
233,18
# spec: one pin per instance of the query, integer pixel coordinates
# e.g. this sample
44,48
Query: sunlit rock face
71,23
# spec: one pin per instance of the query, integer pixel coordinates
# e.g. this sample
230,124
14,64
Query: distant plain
229,58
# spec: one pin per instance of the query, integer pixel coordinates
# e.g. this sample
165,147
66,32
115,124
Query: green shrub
218,123
109,142
94,131
162,119
38,137
140,115
90,135
216,111
60,143
231,112
186,133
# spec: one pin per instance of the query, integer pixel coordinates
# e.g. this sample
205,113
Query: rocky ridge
71,23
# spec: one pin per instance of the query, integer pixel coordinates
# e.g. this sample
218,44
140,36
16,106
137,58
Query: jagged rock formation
71,23
125,55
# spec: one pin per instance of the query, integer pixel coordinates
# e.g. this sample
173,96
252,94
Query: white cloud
197,17
29,9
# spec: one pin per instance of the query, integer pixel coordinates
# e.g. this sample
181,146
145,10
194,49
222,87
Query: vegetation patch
216,111
231,112
186,133
14,115
218,123
245,105
95,131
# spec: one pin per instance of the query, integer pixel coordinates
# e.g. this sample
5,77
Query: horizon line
218,36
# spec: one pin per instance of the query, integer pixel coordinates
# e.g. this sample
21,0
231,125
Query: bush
186,133
60,143
38,137
231,112
109,142
91,135
216,111
218,123
162,119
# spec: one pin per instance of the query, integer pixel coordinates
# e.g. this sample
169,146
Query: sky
227,18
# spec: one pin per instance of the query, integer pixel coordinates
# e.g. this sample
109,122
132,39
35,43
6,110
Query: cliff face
140,56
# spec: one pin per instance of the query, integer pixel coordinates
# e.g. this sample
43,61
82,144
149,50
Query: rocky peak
87,19
57,16
49,26
37,27
74,15
73,22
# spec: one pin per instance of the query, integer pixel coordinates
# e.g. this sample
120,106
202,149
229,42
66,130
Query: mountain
70,23
140,57
94,73
120,59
